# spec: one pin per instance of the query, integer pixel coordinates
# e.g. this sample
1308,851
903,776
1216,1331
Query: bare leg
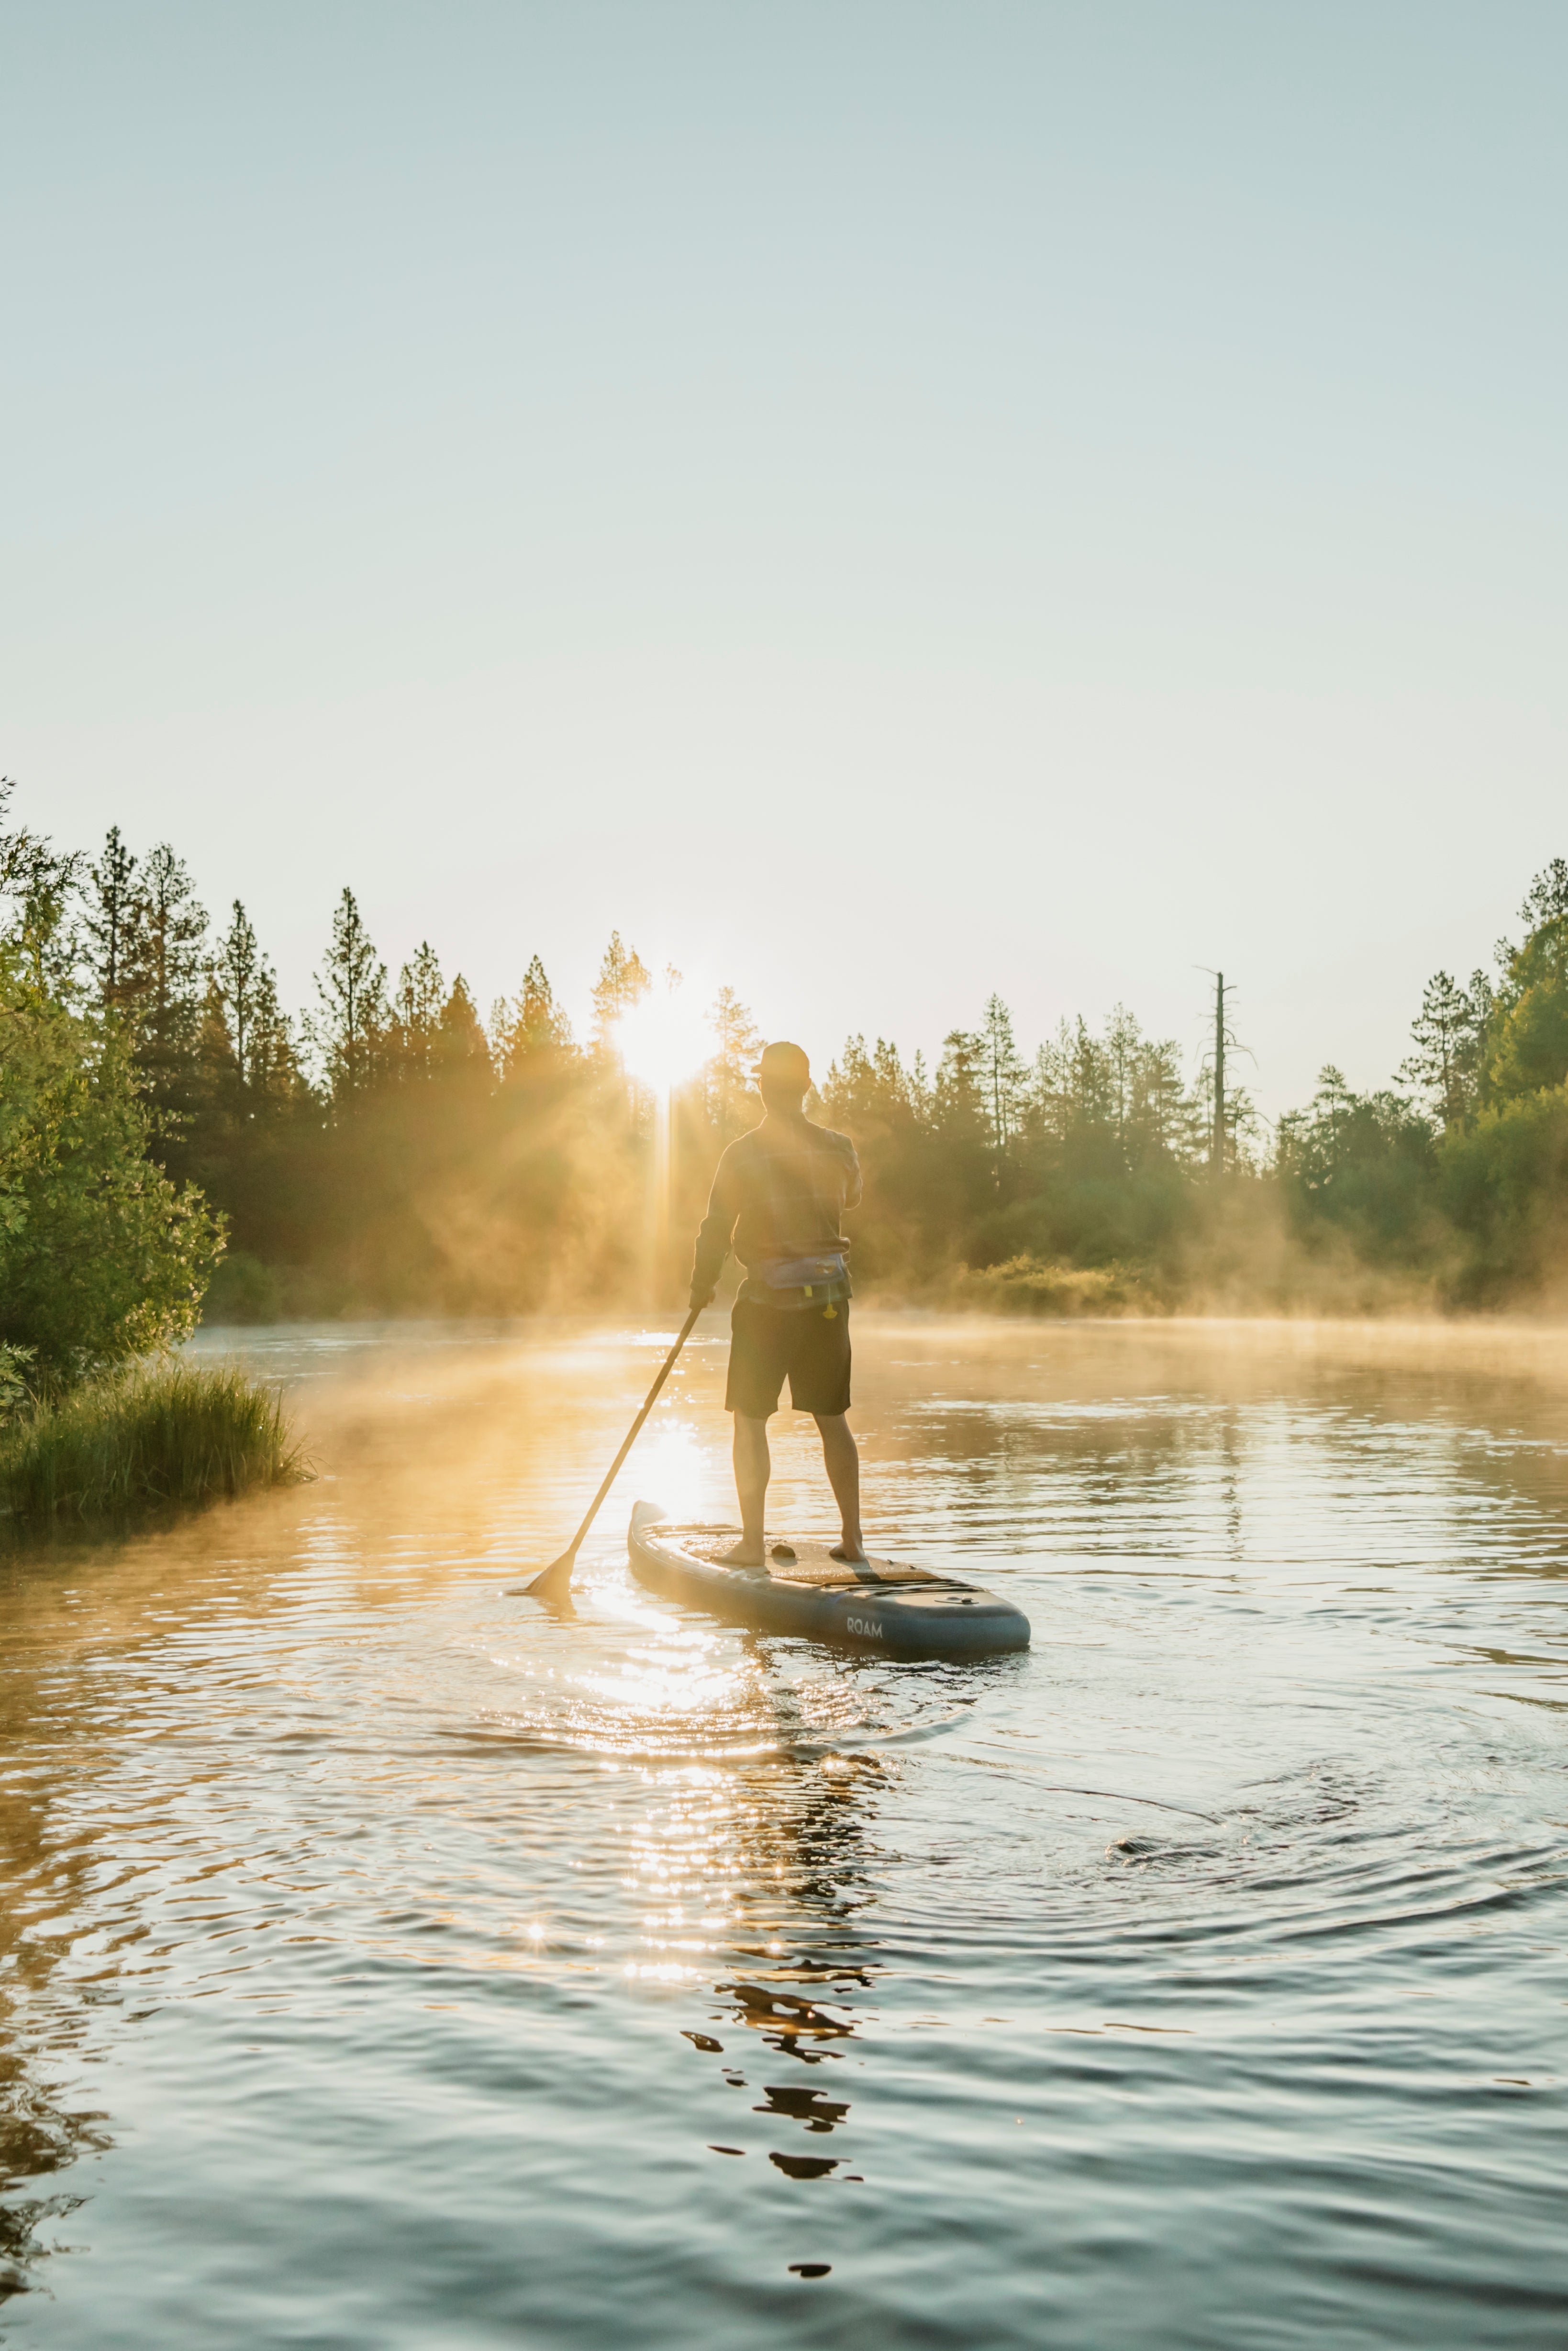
751,1468
842,1460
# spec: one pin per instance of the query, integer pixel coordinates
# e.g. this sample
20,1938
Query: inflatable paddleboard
880,1606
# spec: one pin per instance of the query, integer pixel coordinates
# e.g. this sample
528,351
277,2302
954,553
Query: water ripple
384,1962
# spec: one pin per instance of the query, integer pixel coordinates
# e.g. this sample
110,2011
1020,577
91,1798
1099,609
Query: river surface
388,1962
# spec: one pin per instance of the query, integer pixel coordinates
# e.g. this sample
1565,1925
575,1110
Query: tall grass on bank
164,1435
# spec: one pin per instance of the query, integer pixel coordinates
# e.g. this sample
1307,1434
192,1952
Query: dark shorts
810,1345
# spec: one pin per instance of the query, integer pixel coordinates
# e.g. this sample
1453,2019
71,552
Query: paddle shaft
649,1400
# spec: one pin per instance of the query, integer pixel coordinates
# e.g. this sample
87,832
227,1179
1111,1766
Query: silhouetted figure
778,1200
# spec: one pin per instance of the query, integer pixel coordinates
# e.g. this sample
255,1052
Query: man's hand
700,1298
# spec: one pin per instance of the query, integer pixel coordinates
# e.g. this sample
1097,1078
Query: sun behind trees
392,1152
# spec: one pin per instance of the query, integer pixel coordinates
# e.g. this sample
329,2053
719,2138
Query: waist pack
799,1281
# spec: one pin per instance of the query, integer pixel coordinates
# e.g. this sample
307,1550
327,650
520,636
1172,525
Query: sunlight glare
662,1041
676,1471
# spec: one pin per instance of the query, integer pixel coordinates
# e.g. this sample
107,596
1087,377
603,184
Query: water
388,1963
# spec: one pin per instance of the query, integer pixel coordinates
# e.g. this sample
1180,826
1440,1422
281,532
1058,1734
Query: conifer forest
392,1147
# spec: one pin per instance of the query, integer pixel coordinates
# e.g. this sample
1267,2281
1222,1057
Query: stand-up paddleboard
880,1606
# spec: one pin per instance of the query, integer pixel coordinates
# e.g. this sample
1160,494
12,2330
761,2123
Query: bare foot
741,1554
850,1554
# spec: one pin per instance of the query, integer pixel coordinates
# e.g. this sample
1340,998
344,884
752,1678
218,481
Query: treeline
1457,1176
1095,1177
391,1150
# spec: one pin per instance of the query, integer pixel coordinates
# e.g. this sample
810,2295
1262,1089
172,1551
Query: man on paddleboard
778,1199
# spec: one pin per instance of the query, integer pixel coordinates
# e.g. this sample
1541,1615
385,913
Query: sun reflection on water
675,1470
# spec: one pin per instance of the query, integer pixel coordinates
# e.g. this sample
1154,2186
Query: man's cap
783,1064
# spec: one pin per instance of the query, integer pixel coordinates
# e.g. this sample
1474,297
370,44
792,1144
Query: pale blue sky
877,502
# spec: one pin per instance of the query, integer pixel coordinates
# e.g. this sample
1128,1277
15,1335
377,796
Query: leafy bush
102,1259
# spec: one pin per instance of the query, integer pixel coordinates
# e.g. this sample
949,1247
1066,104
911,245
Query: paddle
553,1583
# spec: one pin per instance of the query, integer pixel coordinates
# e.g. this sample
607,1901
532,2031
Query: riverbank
173,1435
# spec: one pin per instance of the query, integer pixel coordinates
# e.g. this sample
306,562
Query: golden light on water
676,1470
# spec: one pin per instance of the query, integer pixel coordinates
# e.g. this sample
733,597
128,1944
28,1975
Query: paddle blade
552,1583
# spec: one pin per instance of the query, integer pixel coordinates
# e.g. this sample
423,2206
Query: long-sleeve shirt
779,1194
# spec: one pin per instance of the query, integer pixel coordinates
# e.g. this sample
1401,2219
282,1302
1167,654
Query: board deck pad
814,1563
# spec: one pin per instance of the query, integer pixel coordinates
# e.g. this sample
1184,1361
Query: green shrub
167,1433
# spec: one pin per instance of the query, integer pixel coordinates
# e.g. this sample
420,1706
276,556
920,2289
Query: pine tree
236,970
1484,1008
1164,1120
1445,1065
1245,1127
273,1077
112,920
414,1037
732,1100
462,1050
349,1031
174,931
1003,1071
1045,1098
171,937
1091,1091
1124,1040
531,1029
245,1025
956,1166
217,1056
872,1093
623,980
960,1105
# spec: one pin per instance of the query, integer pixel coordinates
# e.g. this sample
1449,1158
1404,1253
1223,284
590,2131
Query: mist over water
386,1963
